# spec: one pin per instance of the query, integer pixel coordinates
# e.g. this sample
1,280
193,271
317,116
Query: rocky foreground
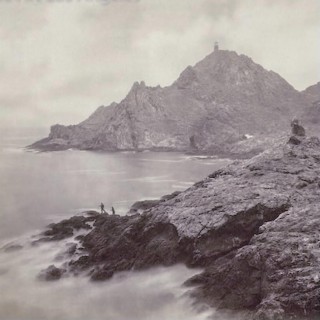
253,226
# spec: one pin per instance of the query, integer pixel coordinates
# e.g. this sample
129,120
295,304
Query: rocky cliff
311,115
214,106
253,226
312,93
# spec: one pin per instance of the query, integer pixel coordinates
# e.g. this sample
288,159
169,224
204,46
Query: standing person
102,208
113,211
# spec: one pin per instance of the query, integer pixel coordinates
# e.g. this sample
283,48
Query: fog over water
153,294
39,188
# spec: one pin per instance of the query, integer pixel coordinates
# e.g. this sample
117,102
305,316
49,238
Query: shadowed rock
253,226
66,228
51,273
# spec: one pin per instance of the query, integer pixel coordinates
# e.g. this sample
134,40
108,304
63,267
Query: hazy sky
60,60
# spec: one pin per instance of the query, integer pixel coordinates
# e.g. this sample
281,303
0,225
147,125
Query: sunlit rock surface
253,226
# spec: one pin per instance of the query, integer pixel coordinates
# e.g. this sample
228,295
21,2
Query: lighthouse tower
216,46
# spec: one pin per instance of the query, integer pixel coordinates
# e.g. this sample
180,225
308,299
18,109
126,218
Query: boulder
52,273
297,129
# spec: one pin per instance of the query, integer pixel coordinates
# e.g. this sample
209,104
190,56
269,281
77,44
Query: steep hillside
312,93
223,99
311,114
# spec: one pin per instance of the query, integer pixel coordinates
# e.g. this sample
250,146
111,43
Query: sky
61,59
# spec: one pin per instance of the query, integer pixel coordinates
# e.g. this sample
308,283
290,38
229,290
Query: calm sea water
38,188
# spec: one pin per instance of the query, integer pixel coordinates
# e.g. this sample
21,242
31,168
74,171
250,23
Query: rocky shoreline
253,226
224,105
242,149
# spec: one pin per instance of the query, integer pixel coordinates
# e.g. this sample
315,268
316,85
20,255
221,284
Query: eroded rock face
253,226
276,274
209,108
66,228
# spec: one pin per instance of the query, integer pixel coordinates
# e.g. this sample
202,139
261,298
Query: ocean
38,188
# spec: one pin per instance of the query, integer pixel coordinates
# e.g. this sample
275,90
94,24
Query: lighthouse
216,46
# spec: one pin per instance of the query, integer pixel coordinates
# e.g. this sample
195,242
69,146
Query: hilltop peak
211,106
222,67
138,84
225,75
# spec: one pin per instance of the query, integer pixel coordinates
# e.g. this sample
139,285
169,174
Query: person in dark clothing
113,211
102,208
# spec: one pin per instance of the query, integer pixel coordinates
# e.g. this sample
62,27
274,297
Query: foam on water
39,188
153,294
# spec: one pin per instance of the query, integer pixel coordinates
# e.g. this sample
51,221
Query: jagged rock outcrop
253,226
212,106
66,228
